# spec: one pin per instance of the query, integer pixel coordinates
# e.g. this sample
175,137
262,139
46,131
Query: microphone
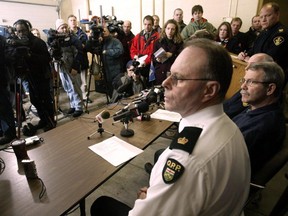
144,117
154,95
159,94
151,97
123,109
102,116
131,113
142,107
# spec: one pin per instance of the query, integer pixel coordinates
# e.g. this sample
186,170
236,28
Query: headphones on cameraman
24,22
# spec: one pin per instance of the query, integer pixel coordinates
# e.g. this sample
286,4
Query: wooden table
238,73
69,170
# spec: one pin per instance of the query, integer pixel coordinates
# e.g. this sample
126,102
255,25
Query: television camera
17,50
94,43
56,41
113,25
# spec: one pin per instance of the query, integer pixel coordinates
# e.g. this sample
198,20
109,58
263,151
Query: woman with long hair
166,49
225,38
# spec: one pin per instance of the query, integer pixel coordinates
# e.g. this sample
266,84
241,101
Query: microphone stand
126,132
100,131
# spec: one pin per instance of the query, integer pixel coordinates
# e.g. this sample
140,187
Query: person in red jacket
143,44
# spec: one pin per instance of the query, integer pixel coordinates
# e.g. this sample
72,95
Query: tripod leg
55,77
18,95
89,137
56,91
103,75
88,90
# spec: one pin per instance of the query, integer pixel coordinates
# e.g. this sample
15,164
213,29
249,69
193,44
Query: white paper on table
166,115
115,150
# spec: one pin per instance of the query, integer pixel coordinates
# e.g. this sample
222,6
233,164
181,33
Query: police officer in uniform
207,164
273,40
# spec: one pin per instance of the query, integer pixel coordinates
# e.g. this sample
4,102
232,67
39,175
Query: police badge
278,40
172,171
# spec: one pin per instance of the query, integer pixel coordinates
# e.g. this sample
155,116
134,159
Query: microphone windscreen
143,107
151,98
105,115
102,116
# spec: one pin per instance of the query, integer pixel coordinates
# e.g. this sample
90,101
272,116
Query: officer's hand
142,193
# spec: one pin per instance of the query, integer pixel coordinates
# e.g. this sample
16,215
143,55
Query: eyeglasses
250,82
175,79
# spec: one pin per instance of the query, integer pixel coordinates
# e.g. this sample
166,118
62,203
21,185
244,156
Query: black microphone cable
2,166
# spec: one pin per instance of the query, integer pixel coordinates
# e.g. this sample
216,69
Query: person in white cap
70,67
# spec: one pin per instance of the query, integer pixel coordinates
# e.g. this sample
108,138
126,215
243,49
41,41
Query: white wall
41,14
135,10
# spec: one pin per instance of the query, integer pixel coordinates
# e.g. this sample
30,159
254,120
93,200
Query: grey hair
273,73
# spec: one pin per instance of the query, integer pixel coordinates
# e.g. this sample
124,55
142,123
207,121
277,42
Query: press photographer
130,83
33,63
71,59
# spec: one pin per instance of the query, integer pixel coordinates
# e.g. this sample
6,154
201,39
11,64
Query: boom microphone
102,116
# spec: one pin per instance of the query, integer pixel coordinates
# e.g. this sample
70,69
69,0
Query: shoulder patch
278,40
172,171
186,140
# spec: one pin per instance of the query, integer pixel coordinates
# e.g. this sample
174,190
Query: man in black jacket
36,70
6,112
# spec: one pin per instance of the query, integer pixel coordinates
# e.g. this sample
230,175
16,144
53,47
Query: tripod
100,131
96,68
55,76
91,71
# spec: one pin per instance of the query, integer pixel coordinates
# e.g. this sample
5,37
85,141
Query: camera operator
130,83
112,51
7,124
30,58
70,67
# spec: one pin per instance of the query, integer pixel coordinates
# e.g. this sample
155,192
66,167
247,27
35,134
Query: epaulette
187,139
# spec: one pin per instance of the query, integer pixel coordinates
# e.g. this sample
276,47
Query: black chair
268,171
281,207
